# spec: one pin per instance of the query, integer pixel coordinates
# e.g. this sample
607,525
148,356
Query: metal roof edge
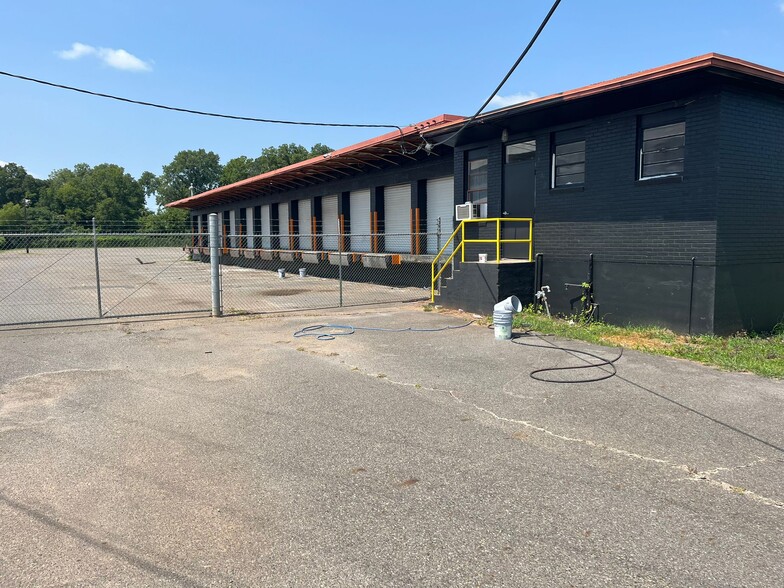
694,63
407,131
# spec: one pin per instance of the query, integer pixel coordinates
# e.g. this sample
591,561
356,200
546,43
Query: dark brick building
662,190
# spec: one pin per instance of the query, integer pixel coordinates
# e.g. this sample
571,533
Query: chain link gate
55,277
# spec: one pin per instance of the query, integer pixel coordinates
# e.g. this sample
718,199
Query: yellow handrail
461,245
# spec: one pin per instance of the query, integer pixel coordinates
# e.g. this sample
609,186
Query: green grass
755,353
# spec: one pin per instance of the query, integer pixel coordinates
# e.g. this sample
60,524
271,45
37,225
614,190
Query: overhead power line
506,77
197,112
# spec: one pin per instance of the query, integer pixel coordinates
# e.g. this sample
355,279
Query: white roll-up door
440,204
283,225
249,221
359,214
233,228
397,218
266,228
304,209
330,225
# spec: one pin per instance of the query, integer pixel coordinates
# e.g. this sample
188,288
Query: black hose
576,353
314,330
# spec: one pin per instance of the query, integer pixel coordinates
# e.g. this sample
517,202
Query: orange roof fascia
665,71
404,132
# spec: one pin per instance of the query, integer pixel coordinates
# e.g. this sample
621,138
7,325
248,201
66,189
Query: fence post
438,250
217,306
340,269
97,271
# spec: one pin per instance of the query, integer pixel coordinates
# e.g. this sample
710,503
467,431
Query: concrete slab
220,452
311,256
338,259
287,255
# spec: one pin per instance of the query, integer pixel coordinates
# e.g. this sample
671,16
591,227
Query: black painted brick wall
751,178
619,218
750,272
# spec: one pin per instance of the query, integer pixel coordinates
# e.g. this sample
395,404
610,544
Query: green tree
237,169
271,158
105,192
11,213
320,149
276,157
16,184
196,169
168,220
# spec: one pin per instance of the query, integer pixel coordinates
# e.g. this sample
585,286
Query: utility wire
198,112
506,77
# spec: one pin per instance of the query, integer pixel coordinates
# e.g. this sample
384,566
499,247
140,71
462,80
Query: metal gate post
217,306
438,248
340,269
97,271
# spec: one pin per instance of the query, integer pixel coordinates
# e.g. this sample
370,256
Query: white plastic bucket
303,272
281,273
502,325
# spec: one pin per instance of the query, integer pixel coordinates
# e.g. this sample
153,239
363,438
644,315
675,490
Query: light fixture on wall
504,135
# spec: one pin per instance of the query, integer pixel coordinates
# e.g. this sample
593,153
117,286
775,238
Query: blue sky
361,62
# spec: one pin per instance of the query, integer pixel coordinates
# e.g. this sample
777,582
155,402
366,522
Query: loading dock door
233,228
397,218
359,212
330,227
249,227
266,228
305,220
440,204
283,225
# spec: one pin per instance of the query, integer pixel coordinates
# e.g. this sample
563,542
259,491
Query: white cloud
121,59
76,51
3,163
116,58
501,101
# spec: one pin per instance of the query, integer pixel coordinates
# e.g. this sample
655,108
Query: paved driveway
201,452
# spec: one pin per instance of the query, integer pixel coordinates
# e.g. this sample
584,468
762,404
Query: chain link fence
54,277
319,271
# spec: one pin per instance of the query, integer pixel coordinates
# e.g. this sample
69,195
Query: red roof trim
445,122
215,196
679,67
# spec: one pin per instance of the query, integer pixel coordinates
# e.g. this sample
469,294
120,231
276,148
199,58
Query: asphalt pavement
226,452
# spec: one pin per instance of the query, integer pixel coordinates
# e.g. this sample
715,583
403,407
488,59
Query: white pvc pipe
511,304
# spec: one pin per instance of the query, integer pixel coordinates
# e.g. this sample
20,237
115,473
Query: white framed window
662,151
568,164
476,177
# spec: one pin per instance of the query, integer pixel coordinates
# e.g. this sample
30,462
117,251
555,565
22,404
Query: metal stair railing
435,274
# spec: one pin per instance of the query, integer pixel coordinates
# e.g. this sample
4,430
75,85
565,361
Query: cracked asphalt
202,452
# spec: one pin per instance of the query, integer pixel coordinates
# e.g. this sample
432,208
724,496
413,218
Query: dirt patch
283,292
39,391
641,341
291,291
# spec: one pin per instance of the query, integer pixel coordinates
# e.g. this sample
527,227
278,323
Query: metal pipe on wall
691,291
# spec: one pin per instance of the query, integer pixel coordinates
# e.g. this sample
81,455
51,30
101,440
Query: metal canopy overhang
391,149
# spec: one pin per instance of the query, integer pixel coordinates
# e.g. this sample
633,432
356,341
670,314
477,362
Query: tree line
69,198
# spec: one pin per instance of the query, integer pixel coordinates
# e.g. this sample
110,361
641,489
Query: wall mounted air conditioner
466,211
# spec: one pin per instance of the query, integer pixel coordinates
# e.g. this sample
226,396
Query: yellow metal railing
460,246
